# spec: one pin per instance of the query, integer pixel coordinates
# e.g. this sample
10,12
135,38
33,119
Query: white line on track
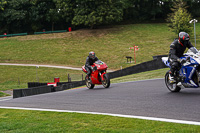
118,115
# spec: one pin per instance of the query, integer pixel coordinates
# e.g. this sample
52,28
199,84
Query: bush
179,19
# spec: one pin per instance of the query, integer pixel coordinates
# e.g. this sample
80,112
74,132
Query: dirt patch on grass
93,32
43,36
82,33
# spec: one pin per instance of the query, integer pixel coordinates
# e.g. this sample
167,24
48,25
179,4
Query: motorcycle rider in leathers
89,61
177,49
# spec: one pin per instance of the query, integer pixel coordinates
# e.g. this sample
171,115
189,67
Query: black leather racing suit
88,64
176,51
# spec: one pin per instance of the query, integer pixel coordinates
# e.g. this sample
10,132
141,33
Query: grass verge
160,73
17,77
3,94
23,121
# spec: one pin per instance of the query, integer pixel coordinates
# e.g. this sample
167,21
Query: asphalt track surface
149,98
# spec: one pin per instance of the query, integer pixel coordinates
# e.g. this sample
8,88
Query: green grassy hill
110,44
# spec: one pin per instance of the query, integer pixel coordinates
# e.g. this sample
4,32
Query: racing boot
171,78
180,79
179,84
88,77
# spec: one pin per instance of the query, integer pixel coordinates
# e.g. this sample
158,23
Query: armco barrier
31,91
24,34
159,56
72,85
11,35
60,85
145,66
35,84
48,32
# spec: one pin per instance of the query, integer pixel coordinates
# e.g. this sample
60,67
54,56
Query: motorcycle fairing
83,69
94,78
102,76
187,70
166,61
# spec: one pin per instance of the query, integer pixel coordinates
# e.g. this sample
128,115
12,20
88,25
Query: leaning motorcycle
189,74
98,75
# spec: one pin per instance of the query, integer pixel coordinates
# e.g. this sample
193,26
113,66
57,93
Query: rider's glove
182,61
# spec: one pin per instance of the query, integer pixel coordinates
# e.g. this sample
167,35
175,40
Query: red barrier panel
56,80
69,29
5,34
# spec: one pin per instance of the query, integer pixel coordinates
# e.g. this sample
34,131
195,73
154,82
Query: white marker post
195,21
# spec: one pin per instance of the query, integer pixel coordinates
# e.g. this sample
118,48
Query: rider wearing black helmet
177,49
89,61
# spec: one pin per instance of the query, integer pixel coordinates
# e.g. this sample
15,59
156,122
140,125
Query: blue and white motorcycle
189,74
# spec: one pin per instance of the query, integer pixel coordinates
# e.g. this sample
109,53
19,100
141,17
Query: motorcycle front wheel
88,83
106,81
171,86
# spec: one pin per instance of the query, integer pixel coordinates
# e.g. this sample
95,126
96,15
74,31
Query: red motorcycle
98,75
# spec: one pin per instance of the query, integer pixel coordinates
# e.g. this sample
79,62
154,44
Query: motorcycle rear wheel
171,86
88,83
106,81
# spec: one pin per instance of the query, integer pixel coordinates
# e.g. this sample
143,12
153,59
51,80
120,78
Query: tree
149,8
14,17
179,19
43,11
194,7
53,17
53,14
2,4
144,10
66,9
92,12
